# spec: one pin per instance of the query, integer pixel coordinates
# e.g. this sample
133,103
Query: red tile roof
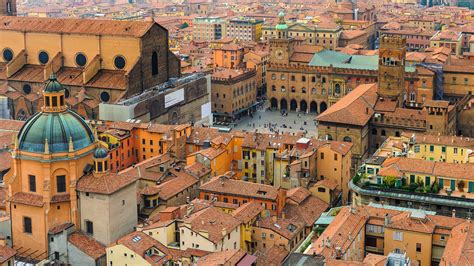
87,244
106,183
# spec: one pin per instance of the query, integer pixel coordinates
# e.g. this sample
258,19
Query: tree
461,185
184,25
389,181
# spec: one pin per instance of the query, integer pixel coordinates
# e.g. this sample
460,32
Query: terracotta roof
213,221
356,108
224,185
307,211
459,249
87,244
227,257
298,194
104,184
176,185
11,125
75,26
273,256
197,169
441,140
248,211
27,199
328,183
59,228
6,253
140,243
287,228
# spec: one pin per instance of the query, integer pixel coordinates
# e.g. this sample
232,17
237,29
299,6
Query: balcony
374,250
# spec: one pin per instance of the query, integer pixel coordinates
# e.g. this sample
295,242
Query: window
27,88
383,132
321,189
89,227
322,156
398,236
119,62
264,235
27,225
335,157
431,148
43,57
61,183
32,183
7,54
81,60
418,247
154,63
104,96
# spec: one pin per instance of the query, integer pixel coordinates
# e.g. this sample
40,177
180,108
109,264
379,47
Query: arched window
303,78
337,89
323,92
397,133
283,89
274,76
273,88
293,89
412,97
303,90
314,91
154,64
383,133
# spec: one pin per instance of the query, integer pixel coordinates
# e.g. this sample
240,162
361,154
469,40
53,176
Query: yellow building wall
408,245
116,256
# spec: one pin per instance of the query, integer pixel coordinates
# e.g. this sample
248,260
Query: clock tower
391,74
281,46
7,7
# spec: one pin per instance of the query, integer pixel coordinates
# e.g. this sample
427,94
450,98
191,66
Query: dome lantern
101,161
53,96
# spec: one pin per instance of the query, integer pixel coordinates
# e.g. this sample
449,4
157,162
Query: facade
228,56
116,59
450,39
234,93
244,29
208,29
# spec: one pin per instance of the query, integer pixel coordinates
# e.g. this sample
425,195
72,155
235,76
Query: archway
293,105
322,107
313,107
303,106
274,103
283,104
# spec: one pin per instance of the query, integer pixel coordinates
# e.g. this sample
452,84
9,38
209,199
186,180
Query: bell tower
7,7
281,46
391,76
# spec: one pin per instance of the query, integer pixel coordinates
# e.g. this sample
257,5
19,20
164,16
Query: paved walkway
292,122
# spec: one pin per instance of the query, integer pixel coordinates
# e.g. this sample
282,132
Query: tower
7,7
391,74
281,46
52,151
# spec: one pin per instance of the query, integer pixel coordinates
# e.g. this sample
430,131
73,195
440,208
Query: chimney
274,218
386,220
224,232
453,213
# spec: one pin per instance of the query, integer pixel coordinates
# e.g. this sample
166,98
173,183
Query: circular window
27,88
104,97
43,57
81,59
66,93
119,62
7,54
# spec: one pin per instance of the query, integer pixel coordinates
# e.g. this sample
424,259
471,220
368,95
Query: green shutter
453,185
427,181
471,187
441,183
412,179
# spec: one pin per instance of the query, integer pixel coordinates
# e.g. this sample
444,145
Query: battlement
394,42
277,67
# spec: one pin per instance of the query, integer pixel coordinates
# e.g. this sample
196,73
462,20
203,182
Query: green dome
100,153
59,129
53,84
